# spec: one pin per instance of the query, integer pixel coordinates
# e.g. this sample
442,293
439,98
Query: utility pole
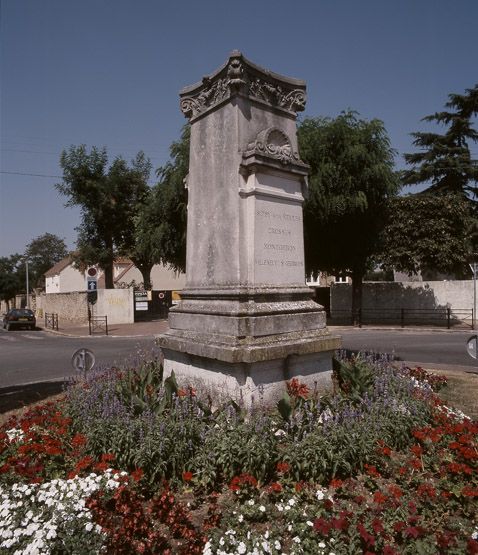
27,283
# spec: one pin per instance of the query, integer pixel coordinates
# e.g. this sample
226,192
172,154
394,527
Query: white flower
241,548
319,494
279,433
250,502
292,502
262,509
296,539
240,518
277,545
309,523
322,545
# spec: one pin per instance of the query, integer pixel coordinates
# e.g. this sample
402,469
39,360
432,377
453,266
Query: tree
12,276
350,181
428,231
42,253
161,222
109,198
445,161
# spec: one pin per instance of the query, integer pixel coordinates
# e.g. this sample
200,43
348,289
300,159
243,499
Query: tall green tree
42,253
350,181
426,231
444,161
12,277
161,222
109,197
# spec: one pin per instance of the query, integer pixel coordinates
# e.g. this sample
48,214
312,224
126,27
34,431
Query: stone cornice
239,76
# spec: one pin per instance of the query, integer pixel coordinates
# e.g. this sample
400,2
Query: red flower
399,526
322,526
78,440
366,536
468,491
137,474
275,487
83,463
379,497
472,547
417,450
371,470
336,483
187,476
282,467
377,526
395,491
297,389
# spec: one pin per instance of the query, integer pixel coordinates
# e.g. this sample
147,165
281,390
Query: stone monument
246,320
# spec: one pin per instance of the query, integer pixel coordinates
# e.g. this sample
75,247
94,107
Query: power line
32,174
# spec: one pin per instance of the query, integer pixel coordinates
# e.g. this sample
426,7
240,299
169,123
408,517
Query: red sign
92,272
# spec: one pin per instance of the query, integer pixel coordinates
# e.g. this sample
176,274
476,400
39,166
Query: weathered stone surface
245,301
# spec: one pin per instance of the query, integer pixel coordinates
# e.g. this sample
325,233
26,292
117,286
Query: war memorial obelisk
246,320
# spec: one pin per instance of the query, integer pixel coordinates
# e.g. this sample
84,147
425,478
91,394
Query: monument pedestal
246,321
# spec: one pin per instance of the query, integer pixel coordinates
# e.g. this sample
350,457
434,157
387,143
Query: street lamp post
474,295
473,267
27,283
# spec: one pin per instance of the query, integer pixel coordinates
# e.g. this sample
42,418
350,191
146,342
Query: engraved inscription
279,244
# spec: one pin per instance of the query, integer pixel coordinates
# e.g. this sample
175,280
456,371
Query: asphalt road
439,347
38,356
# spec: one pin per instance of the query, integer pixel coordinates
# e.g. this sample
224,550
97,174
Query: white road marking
33,336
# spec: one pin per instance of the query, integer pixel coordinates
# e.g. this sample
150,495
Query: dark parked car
19,317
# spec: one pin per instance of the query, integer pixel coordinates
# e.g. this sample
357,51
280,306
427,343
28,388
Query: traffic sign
83,360
472,346
92,284
92,272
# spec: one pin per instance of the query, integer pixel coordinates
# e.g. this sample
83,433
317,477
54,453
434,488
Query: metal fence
98,324
443,317
51,321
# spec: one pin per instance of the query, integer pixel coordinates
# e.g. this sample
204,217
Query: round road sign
92,272
83,360
472,346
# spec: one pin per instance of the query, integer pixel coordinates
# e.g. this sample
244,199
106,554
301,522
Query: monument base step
250,383
233,349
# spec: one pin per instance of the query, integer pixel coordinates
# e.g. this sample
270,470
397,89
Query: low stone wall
411,295
71,307
116,304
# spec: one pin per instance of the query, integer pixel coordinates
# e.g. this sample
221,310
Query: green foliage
161,223
444,160
351,179
109,198
354,377
12,276
43,252
429,231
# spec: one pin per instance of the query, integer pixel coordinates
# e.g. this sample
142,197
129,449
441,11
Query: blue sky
108,73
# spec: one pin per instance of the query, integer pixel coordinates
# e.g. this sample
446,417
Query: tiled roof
59,266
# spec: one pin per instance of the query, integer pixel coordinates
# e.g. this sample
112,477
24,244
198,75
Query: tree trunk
357,282
109,279
146,273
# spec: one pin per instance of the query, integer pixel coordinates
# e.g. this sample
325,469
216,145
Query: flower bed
129,463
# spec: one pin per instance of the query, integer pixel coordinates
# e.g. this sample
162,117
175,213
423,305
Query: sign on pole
472,346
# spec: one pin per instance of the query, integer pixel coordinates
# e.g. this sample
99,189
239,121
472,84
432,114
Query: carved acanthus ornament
239,76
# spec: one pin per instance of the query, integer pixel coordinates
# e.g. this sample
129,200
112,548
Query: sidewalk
136,329
155,327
